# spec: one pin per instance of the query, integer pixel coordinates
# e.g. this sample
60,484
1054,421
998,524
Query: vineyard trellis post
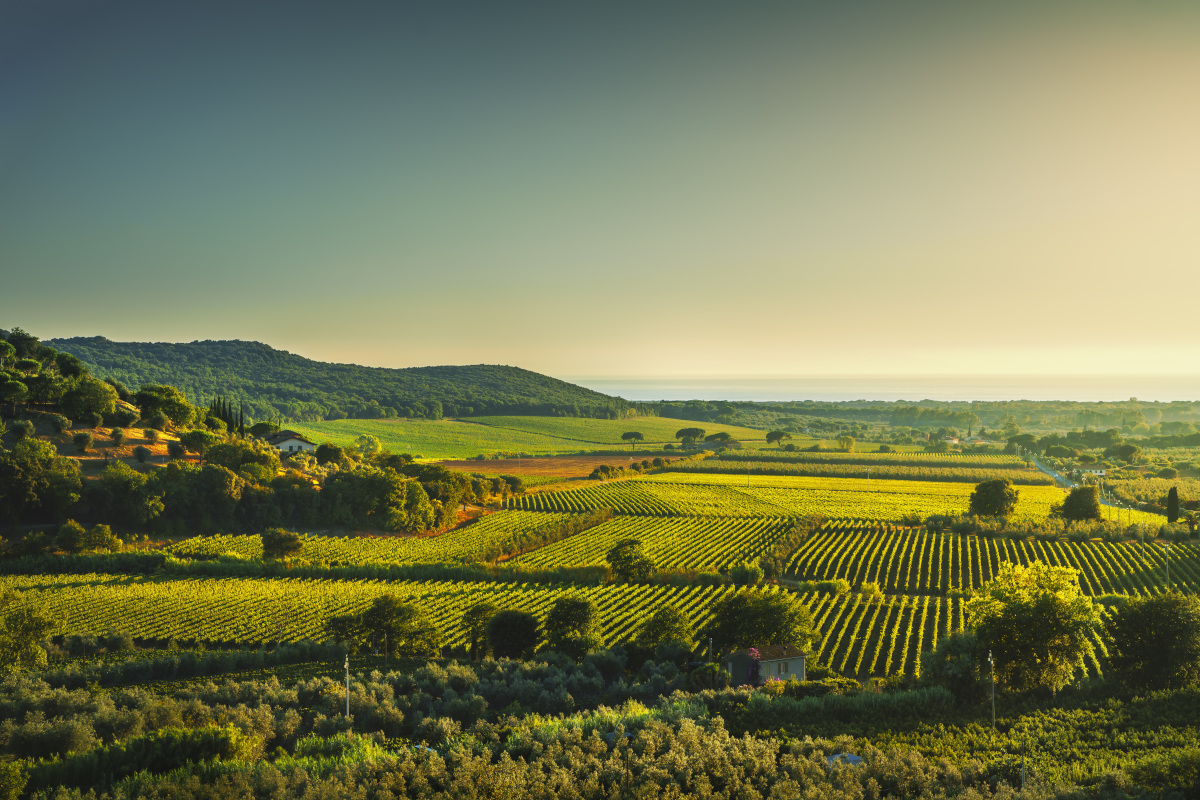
1167,564
347,685
991,662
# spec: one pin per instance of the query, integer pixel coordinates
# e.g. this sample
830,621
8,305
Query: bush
158,421
708,676
151,435
118,642
512,634
60,423
22,429
70,537
122,418
746,574
176,450
142,454
1168,472
278,543
92,419
101,539
117,436
83,441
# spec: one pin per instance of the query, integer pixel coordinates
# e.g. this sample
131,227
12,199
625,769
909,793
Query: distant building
778,661
1097,471
290,442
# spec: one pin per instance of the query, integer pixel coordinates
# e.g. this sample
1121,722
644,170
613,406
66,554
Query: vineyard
914,561
252,610
972,475
991,461
685,494
687,543
467,542
855,635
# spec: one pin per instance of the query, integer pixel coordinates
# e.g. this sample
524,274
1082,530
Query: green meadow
445,438
608,431
451,438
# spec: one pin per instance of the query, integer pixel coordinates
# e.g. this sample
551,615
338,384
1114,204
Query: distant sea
1086,388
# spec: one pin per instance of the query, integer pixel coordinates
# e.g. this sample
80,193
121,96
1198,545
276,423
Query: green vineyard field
683,494
250,610
856,636
466,542
686,543
951,460
914,561
972,475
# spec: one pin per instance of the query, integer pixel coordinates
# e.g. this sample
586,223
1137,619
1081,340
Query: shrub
176,450
70,537
83,441
123,418
92,419
22,429
151,435
746,574
60,423
708,676
118,641
100,538
117,436
512,633
278,543
142,454
158,421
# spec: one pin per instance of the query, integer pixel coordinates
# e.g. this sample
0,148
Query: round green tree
1036,623
629,561
996,498
752,618
1157,641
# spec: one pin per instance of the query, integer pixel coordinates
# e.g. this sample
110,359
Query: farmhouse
290,442
775,661
1098,471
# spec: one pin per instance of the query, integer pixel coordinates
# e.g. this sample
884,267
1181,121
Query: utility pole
347,685
1167,563
990,661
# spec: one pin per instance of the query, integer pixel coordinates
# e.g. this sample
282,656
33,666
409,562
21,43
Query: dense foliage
272,383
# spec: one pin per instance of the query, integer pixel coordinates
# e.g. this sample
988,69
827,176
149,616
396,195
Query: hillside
275,383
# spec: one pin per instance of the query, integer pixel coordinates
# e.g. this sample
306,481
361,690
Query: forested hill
275,383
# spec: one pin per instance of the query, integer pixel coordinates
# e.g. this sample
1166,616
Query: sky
640,189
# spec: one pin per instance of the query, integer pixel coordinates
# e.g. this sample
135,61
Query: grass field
458,439
446,438
608,431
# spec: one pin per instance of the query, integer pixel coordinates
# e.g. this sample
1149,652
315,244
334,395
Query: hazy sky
606,188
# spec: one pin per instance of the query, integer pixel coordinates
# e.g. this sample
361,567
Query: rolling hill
275,383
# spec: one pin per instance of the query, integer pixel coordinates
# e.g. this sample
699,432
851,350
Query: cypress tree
1173,505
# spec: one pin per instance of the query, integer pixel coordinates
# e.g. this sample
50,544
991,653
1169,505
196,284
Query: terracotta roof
283,436
773,652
